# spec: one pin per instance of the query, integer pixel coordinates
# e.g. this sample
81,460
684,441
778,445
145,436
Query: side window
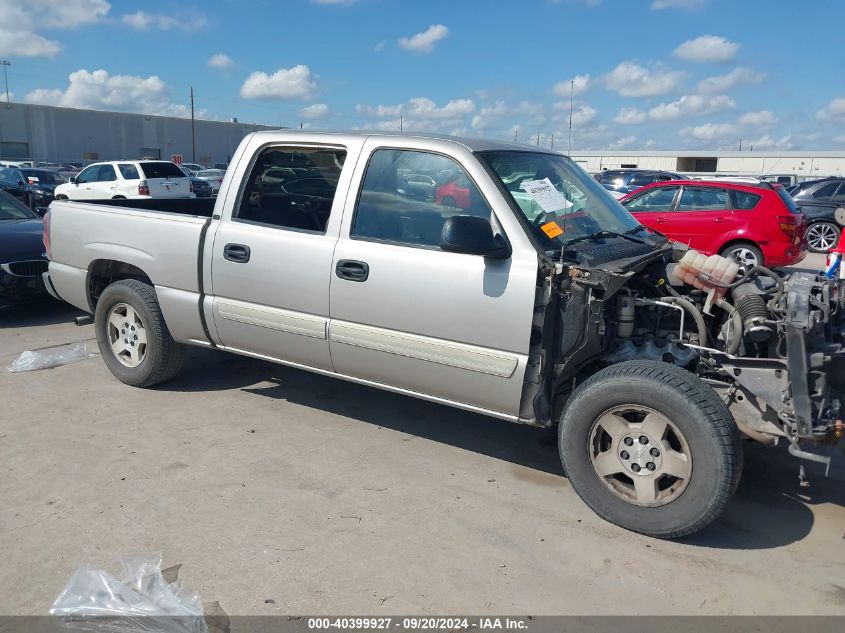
128,171
655,200
89,174
704,199
106,174
389,211
744,200
292,188
641,180
840,193
826,191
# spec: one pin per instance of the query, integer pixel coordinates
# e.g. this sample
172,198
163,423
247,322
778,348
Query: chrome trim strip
271,318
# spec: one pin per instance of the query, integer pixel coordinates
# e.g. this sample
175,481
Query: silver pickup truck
496,278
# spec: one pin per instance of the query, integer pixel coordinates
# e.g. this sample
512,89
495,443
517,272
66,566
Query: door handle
660,220
719,219
237,253
352,270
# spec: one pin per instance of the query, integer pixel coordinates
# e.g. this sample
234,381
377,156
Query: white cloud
657,5
315,111
220,60
833,111
690,106
285,83
490,114
711,132
763,118
707,48
422,108
582,115
380,46
840,138
424,42
630,79
98,90
720,84
142,21
21,22
578,85
623,142
767,142
630,116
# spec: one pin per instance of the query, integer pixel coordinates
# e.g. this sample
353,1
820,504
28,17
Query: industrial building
48,133
802,164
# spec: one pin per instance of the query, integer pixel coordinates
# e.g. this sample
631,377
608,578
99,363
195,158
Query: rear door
272,256
702,215
408,315
165,180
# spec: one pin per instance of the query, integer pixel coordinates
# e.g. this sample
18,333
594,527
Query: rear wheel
133,338
449,201
746,254
650,447
822,236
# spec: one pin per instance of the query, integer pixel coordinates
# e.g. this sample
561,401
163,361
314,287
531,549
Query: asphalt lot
269,483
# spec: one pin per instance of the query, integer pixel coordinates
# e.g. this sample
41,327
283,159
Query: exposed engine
772,346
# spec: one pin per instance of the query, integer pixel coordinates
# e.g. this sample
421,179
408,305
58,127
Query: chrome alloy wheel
640,455
745,257
822,236
127,336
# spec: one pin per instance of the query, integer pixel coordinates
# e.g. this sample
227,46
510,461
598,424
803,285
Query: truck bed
202,207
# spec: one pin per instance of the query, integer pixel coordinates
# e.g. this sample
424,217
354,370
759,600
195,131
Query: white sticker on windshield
545,194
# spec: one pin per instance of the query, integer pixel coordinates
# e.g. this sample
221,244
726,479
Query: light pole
5,63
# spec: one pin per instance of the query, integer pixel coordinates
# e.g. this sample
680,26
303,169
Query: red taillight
143,189
788,224
45,236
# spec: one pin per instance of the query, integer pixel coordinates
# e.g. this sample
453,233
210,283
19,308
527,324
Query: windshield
11,209
42,175
560,201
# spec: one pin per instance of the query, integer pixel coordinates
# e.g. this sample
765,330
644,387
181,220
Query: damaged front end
771,346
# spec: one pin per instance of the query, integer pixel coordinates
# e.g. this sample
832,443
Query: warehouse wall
56,134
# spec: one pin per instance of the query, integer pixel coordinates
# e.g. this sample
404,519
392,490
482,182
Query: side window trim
728,199
389,242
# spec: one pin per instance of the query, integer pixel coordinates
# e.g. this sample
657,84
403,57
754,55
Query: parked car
621,182
213,177
823,203
22,258
223,166
34,187
200,187
753,223
193,168
454,193
127,179
555,307
418,186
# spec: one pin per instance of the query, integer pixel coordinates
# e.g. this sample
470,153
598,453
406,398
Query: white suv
127,179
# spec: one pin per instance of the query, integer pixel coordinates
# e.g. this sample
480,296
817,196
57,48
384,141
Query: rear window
161,170
744,200
826,191
787,200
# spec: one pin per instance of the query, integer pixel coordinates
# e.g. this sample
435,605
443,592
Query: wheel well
103,272
739,241
119,198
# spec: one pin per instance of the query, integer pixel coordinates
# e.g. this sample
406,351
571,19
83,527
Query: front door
702,215
405,313
271,263
83,188
653,207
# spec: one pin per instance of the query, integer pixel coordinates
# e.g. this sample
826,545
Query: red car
757,223
454,193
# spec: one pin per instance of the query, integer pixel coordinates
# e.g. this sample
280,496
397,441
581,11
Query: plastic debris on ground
50,357
140,599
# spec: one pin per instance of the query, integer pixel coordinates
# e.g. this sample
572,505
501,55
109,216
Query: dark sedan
823,203
22,258
621,182
33,187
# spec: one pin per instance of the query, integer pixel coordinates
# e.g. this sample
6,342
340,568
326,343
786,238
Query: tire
154,356
745,253
449,201
61,196
700,429
822,236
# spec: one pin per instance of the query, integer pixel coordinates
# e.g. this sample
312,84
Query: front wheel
133,338
747,255
650,447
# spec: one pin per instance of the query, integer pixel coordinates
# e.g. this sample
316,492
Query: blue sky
649,74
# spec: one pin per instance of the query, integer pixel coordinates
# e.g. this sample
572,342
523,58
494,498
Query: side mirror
472,235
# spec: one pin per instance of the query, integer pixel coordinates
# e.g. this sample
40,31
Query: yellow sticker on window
552,229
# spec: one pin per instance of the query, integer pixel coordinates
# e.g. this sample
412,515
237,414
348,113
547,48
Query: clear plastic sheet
50,357
139,600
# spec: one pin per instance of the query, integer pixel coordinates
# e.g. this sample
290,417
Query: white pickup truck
492,277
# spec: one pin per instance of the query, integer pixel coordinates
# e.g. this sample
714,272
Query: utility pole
740,145
571,95
5,63
538,138
515,135
552,144
401,123
193,131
